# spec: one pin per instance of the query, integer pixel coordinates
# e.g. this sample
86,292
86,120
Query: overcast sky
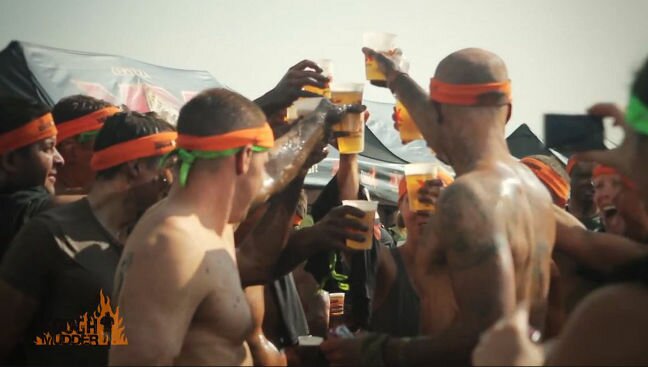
563,55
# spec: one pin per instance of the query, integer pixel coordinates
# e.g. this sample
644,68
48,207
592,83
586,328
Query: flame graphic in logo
103,327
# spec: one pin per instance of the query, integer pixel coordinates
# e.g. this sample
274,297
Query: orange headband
556,184
601,170
35,130
466,94
570,165
260,136
148,146
90,122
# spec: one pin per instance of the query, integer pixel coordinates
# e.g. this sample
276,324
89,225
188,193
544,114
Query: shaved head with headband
486,223
470,91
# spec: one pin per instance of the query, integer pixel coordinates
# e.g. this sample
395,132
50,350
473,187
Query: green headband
637,115
87,136
188,157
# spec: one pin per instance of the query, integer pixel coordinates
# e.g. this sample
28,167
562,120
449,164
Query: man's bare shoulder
465,215
468,194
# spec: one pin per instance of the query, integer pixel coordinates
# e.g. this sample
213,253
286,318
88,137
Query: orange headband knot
147,146
35,130
90,122
468,94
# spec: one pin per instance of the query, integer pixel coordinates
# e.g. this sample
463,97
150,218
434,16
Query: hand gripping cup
369,208
406,126
415,175
385,43
350,131
327,71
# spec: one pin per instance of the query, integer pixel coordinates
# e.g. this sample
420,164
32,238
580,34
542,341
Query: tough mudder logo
102,327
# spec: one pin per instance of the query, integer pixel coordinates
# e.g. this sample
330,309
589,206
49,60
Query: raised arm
412,96
258,252
348,177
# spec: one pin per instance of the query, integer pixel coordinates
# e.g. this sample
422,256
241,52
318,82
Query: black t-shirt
64,259
291,311
16,208
363,267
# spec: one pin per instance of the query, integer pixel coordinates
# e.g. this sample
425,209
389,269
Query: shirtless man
181,295
218,133
610,326
489,247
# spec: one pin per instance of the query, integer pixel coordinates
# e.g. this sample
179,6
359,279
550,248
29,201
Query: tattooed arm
481,271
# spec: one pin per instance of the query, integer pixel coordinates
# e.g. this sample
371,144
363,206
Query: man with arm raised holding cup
488,248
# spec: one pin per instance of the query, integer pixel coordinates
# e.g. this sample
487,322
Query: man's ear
10,162
243,159
133,169
69,151
510,112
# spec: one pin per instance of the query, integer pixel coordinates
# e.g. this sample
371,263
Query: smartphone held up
570,134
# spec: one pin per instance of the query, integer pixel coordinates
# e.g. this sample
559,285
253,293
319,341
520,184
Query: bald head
471,66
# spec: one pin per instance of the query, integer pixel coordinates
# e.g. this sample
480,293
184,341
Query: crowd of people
194,233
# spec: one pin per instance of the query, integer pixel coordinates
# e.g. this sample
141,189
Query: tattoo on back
467,228
121,273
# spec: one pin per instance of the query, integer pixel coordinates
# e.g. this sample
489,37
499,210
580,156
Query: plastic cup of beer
336,304
302,107
327,70
384,43
369,208
406,126
415,175
351,129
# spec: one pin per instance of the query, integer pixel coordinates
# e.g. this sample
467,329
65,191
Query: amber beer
406,126
384,43
352,124
327,70
369,208
415,175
